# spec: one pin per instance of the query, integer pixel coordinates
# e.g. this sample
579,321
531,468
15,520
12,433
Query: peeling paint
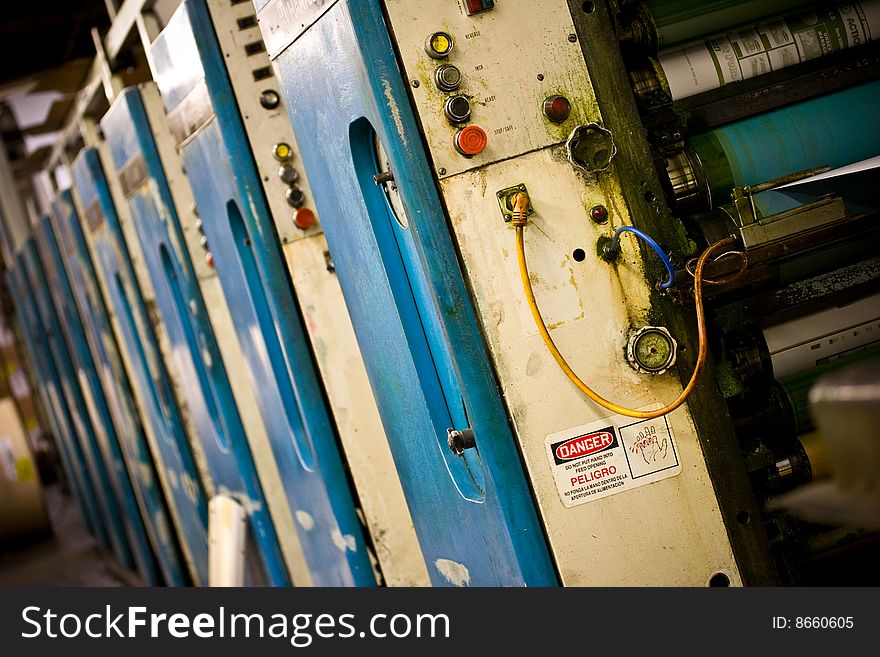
249,505
338,539
395,111
453,572
305,520
163,531
533,366
145,473
172,478
190,487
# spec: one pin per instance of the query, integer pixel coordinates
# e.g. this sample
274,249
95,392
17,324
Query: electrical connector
521,207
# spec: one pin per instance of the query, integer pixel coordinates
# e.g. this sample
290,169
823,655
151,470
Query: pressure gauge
652,350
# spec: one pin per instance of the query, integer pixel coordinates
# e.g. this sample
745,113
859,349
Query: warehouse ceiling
37,36
46,50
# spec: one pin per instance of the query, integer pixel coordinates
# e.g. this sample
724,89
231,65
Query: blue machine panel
171,449
117,388
49,386
428,365
72,375
180,303
191,75
104,439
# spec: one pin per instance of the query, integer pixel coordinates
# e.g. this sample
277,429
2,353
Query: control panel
265,119
485,87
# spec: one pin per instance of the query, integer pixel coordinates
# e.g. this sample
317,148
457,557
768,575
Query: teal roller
833,130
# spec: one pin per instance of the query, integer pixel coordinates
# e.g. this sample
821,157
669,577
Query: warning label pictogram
610,456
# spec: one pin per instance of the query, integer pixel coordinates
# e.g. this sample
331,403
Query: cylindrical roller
833,130
759,48
664,23
817,454
806,460
790,395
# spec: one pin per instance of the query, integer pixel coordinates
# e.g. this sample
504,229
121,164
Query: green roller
790,395
833,130
677,21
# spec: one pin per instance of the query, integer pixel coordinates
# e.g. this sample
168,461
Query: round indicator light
439,45
304,218
599,214
270,99
447,77
457,109
288,174
282,152
295,197
470,140
557,108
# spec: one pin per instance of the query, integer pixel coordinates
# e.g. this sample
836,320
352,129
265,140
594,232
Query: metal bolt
415,84
441,171
383,177
459,441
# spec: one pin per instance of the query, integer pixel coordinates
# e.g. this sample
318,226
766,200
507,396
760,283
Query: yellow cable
519,223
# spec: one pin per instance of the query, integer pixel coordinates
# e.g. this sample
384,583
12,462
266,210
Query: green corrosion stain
686,245
727,380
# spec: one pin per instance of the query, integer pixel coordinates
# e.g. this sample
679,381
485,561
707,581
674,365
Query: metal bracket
744,196
799,220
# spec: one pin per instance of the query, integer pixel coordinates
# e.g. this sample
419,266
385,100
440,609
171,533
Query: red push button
470,140
304,218
557,108
476,6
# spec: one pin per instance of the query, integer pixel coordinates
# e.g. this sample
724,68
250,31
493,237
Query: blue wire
615,245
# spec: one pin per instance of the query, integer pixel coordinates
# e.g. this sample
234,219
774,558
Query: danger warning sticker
610,456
